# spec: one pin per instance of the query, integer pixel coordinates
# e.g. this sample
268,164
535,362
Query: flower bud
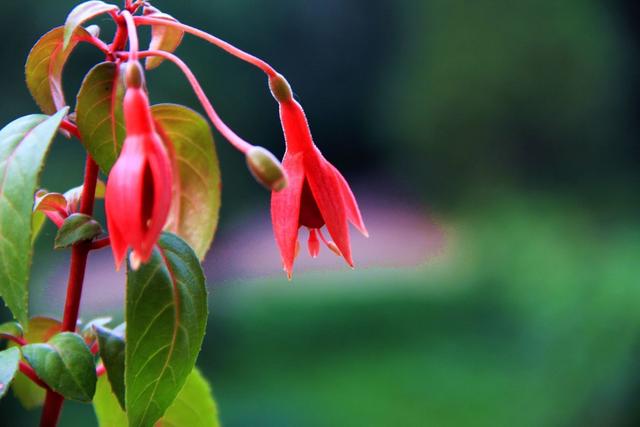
266,169
134,77
280,88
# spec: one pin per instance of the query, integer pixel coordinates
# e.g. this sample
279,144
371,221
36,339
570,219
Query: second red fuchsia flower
138,196
317,194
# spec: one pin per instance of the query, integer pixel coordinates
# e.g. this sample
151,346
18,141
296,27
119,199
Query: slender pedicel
239,143
229,48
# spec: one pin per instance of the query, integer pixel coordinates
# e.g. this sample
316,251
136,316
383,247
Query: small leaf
163,37
9,360
11,328
88,333
74,195
65,364
193,407
112,355
166,314
99,113
44,67
82,13
40,329
23,146
98,321
196,193
54,202
77,228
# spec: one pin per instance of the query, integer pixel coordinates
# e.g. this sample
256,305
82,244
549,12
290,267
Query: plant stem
228,47
53,401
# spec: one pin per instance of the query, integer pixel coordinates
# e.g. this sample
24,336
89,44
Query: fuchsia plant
162,196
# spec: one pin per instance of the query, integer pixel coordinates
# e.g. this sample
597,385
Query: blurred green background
493,145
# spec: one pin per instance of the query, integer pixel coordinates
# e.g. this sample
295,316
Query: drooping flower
317,194
138,195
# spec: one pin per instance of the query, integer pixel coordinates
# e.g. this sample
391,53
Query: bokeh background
493,146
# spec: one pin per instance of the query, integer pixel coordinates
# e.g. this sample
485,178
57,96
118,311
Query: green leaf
108,410
40,329
166,315
99,114
112,355
163,37
77,228
65,364
44,66
37,222
193,407
196,198
82,13
9,360
23,146
11,328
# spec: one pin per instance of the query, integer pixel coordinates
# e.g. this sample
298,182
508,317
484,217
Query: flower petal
285,209
122,203
353,212
326,188
162,181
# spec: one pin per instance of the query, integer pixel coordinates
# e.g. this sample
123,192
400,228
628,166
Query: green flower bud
280,88
266,169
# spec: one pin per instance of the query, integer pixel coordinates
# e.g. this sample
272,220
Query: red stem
29,372
70,127
16,340
132,33
100,243
94,41
229,48
53,401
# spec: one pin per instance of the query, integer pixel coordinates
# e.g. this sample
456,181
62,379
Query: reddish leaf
44,67
82,13
162,37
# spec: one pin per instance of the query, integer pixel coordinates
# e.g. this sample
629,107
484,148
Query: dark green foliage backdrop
515,123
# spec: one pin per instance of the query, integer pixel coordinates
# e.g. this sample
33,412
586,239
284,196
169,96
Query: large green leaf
166,315
82,13
23,146
112,355
44,66
65,364
40,329
9,360
193,407
99,113
196,199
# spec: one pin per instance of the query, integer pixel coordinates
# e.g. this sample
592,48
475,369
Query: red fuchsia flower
317,194
138,195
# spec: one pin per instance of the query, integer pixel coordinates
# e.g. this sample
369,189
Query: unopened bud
266,169
134,76
280,88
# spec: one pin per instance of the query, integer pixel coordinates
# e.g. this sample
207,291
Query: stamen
332,246
314,243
